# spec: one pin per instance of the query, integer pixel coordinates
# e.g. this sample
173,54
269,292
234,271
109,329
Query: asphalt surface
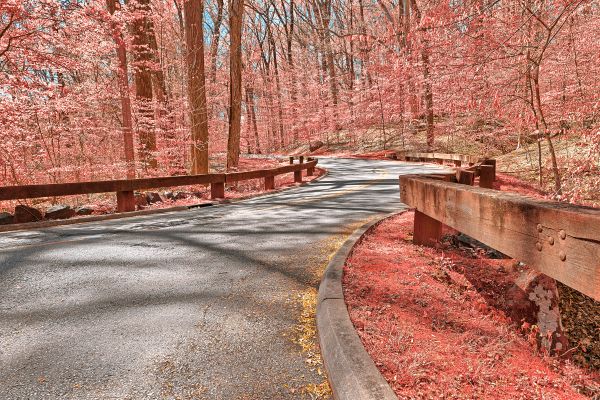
194,304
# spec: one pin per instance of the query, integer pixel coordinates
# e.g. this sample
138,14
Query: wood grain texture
560,240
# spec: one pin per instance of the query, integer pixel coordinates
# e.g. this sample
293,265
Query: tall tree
236,14
194,37
127,120
214,42
143,27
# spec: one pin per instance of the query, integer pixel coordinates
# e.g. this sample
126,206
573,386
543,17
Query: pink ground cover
437,323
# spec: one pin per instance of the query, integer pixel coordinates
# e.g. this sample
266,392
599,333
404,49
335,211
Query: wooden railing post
491,163
291,159
125,201
457,163
427,231
465,177
486,176
298,176
301,158
269,182
217,190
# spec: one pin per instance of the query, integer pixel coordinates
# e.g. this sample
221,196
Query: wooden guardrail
484,168
125,188
458,159
558,239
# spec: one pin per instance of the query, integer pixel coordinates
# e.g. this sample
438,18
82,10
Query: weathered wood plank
560,240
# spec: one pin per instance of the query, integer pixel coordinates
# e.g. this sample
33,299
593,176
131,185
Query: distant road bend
193,304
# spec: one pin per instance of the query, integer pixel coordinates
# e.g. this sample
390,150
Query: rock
153,197
84,210
27,214
140,200
60,211
315,145
6,218
177,195
533,300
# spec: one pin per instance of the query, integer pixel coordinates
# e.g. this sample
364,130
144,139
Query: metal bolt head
562,234
551,240
538,246
539,227
562,256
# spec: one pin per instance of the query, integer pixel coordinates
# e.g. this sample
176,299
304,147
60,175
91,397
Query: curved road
199,304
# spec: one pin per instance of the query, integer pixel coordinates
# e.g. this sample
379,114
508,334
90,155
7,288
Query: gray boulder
177,195
153,197
140,200
6,218
60,211
27,214
84,210
316,145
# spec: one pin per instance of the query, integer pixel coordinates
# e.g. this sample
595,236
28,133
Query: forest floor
105,203
435,322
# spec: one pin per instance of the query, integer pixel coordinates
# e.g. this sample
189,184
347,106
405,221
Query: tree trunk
194,11
428,95
364,51
294,83
143,83
540,113
278,89
214,43
324,12
236,14
124,94
251,104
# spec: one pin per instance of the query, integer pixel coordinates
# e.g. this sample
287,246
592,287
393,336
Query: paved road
196,304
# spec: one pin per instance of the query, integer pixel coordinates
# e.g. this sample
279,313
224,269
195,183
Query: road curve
195,304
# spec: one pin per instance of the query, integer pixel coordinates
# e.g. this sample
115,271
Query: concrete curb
140,213
351,371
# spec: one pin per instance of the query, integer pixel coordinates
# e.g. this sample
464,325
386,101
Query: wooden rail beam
558,239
